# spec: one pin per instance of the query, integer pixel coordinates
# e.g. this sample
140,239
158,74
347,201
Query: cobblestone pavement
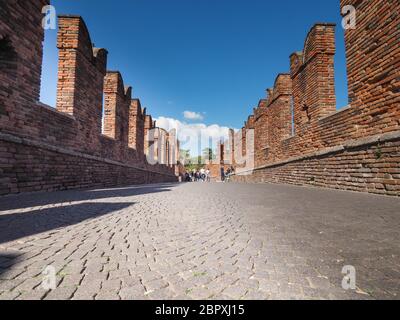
200,241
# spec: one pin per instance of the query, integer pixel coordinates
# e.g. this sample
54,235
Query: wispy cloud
191,115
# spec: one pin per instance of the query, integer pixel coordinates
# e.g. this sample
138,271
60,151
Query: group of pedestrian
202,175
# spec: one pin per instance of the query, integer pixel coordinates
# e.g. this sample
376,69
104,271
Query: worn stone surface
200,241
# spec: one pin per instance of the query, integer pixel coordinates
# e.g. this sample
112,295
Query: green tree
208,154
185,156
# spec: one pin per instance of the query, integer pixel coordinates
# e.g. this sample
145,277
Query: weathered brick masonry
355,148
44,149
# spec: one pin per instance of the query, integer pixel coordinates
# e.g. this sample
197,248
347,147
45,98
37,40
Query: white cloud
195,137
191,115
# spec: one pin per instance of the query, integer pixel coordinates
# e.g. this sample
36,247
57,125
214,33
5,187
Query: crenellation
307,95
117,100
137,116
70,136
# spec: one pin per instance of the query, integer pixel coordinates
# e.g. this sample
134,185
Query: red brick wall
42,148
80,79
117,101
273,120
28,168
373,63
21,43
312,73
373,169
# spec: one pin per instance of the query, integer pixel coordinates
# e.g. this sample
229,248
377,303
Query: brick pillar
156,145
244,141
21,51
136,126
148,125
173,147
231,147
261,132
312,73
279,115
220,153
81,71
373,63
117,100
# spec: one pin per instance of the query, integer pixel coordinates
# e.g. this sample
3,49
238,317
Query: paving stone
111,285
242,242
64,293
235,292
10,295
132,293
107,295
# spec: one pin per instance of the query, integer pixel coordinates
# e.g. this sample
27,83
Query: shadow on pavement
7,261
18,225
21,201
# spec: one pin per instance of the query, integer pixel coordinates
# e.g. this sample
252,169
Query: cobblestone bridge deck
200,241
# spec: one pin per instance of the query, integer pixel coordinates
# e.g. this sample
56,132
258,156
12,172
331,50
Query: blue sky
214,58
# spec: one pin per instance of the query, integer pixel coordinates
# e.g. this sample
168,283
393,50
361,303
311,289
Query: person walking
208,178
187,177
228,175
222,174
203,175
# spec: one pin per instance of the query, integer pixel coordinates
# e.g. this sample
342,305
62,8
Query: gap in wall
341,89
48,84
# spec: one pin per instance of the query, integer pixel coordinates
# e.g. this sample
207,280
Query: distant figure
187,177
222,174
208,178
228,175
203,175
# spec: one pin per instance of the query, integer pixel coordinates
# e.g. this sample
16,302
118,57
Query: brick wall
373,169
273,120
371,121
44,149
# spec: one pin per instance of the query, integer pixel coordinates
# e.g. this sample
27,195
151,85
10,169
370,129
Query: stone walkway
200,241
